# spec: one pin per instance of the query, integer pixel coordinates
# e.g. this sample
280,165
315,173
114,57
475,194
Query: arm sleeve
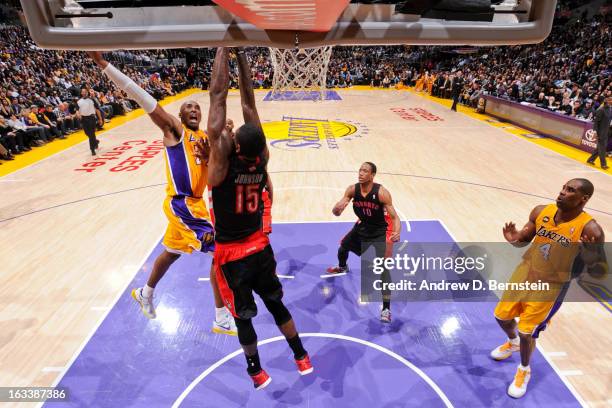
135,92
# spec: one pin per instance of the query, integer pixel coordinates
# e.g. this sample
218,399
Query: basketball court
78,233
77,246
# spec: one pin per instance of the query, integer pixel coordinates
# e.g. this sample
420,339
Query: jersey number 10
250,200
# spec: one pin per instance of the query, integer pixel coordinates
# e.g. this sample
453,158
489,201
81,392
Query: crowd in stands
39,90
569,73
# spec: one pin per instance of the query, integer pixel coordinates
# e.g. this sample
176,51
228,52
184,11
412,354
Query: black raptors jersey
370,211
236,201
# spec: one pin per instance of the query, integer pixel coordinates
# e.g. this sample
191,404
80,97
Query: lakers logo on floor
293,133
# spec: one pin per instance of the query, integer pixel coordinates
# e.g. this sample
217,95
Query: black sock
386,304
343,255
253,364
296,346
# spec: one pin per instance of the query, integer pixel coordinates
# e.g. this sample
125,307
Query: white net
300,74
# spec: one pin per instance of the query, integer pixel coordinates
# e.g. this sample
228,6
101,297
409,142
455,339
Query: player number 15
251,198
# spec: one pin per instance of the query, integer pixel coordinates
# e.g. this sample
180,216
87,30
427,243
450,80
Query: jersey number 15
247,196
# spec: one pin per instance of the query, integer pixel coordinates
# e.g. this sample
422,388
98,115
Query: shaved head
191,114
189,102
585,186
575,194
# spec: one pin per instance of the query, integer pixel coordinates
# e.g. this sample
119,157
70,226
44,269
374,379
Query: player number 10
251,199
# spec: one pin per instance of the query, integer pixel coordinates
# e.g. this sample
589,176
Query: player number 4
251,198
545,250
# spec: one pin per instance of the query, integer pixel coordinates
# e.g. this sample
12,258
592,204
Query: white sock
524,368
220,313
515,341
147,291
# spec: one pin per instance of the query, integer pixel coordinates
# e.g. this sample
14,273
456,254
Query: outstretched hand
98,58
202,150
589,249
510,232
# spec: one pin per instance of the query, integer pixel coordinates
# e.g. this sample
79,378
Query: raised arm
218,135
247,96
170,125
524,236
385,198
344,201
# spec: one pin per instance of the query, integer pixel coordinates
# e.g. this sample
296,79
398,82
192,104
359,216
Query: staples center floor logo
303,133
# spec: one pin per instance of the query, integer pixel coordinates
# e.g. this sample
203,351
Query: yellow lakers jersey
187,175
555,246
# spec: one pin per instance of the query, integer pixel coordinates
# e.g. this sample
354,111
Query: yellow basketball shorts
189,227
534,316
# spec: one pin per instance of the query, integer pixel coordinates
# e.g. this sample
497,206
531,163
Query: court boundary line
409,91
373,345
81,200
78,352
470,183
586,286
401,215
346,222
565,381
138,113
75,356
307,171
471,115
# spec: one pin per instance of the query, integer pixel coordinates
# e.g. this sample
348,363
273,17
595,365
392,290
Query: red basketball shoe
304,365
261,380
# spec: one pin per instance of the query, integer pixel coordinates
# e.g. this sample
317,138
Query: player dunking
555,256
244,261
370,202
189,227
266,197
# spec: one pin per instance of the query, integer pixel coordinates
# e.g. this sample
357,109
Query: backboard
134,24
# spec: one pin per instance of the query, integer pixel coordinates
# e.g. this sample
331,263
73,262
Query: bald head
189,102
584,186
191,114
575,194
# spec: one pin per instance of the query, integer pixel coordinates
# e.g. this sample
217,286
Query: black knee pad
278,310
246,331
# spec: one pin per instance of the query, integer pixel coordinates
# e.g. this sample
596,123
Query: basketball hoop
299,73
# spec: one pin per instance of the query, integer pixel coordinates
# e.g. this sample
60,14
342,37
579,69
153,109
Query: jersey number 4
247,196
545,250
